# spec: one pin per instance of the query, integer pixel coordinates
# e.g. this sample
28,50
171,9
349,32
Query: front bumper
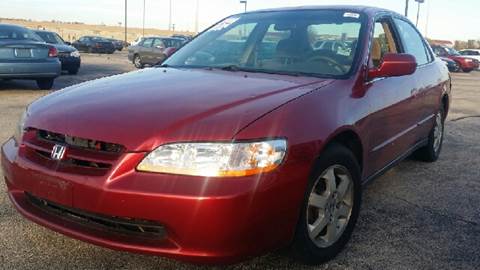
206,220
34,69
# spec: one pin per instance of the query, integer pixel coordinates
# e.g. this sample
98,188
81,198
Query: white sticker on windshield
351,15
224,24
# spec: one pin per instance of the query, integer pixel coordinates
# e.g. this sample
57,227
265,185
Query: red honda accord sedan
257,135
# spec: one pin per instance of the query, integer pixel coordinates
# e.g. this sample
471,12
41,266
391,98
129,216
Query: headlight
20,130
75,54
215,159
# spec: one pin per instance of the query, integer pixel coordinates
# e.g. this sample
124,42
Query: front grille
96,156
79,142
136,227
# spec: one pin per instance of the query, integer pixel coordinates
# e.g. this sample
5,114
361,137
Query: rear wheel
331,207
137,61
45,84
466,70
431,151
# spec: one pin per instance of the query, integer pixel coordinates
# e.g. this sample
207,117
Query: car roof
43,31
371,11
12,26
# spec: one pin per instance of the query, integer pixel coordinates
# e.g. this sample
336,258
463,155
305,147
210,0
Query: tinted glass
51,38
18,33
412,42
277,42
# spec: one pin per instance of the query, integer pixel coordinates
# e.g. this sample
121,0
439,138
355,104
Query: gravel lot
417,216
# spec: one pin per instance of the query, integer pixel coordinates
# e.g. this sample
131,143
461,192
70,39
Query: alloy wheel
330,206
438,133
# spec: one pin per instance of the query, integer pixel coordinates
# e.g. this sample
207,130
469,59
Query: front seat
376,53
292,49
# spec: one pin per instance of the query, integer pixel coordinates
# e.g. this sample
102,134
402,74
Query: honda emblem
58,152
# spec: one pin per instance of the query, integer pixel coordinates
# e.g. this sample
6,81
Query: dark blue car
68,55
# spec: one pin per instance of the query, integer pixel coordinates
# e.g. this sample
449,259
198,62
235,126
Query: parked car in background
118,44
184,37
151,50
24,55
452,65
68,55
466,64
93,44
218,155
471,53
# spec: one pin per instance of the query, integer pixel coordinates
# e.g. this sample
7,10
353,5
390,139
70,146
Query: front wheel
331,207
431,151
45,84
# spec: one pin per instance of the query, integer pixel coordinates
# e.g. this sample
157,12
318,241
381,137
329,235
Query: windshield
452,51
18,33
51,38
316,43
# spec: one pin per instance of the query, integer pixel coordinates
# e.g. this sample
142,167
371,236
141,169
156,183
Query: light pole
418,10
143,29
245,3
126,29
406,8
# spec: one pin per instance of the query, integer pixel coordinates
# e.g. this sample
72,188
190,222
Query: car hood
147,108
63,48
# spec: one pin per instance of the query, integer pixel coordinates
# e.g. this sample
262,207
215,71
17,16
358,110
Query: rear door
428,91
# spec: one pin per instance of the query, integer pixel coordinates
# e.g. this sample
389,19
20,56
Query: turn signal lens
216,159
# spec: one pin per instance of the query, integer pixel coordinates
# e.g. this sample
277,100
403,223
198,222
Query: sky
451,20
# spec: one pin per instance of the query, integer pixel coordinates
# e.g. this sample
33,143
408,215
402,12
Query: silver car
24,55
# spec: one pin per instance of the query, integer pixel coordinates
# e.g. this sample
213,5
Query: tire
431,152
467,70
338,164
45,84
137,61
73,71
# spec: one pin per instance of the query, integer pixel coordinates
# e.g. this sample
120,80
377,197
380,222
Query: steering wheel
331,62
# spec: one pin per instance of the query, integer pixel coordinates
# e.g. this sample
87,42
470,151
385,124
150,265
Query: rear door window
413,43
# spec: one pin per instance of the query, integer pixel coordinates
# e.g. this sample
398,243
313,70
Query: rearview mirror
394,65
68,43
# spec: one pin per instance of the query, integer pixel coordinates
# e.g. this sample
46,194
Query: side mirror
169,51
394,65
68,43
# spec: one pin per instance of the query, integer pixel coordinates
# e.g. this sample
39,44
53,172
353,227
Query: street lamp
406,8
418,10
245,3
